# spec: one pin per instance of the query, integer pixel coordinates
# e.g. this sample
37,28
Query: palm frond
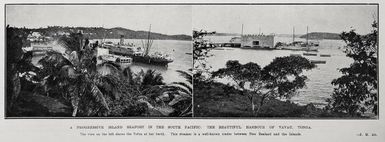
177,90
186,75
112,68
113,65
99,97
109,84
151,77
183,85
187,112
127,73
54,59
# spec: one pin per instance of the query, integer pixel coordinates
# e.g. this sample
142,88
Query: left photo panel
76,61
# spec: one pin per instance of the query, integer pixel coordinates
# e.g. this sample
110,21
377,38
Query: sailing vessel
299,45
156,58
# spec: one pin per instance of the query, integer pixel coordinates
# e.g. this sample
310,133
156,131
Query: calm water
319,86
177,49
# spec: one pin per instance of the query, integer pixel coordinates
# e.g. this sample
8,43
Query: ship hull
296,48
151,60
138,58
257,48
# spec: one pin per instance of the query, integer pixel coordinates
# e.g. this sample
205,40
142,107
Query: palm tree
76,79
106,89
150,87
173,99
63,79
181,93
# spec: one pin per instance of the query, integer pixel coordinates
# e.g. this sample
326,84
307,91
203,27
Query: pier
237,45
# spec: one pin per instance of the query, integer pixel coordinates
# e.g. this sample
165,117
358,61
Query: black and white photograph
95,60
217,71
286,61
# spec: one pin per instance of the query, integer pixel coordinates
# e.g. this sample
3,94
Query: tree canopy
357,88
281,78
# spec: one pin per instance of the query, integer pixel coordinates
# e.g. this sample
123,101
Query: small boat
27,49
257,47
116,59
314,43
218,48
325,55
309,54
295,54
317,62
188,53
298,49
293,48
124,60
230,44
41,48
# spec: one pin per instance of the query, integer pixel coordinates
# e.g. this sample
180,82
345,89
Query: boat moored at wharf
138,54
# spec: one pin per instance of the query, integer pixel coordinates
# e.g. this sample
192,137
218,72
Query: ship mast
307,35
104,33
148,42
293,34
242,31
242,35
148,37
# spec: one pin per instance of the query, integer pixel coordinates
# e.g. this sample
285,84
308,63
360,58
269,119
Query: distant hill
287,35
99,33
227,34
322,35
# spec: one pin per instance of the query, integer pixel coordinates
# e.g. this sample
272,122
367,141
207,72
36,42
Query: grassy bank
213,99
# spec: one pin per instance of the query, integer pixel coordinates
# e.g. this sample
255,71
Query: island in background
322,35
100,33
312,35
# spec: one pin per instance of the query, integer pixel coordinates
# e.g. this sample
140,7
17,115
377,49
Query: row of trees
84,86
100,32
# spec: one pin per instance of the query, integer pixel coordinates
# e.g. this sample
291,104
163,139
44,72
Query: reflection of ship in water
138,54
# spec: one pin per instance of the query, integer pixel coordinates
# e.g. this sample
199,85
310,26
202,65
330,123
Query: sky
163,19
280,19
181,19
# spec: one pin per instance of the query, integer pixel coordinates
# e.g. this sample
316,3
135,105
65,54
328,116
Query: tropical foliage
357,88
74,81
200,50
280,79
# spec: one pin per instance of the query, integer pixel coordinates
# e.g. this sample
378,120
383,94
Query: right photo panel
285,61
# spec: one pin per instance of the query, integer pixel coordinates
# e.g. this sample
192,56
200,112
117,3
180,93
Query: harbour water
176,48
319,86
